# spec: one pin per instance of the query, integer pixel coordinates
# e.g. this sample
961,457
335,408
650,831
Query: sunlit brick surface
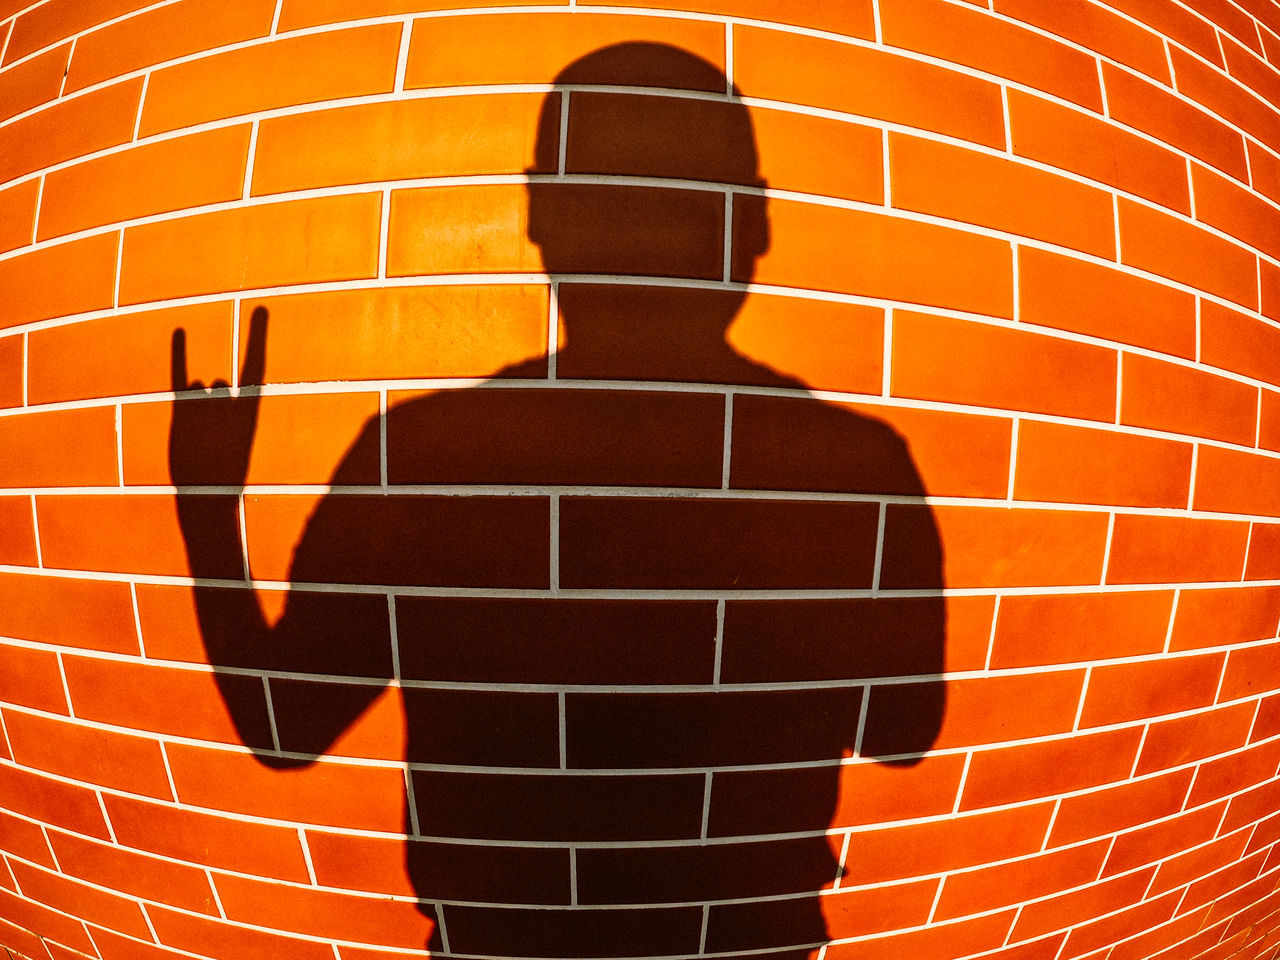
505,606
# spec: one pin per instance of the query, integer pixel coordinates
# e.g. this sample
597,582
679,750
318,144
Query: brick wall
771,478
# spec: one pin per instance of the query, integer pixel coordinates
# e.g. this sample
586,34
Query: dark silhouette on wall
601,449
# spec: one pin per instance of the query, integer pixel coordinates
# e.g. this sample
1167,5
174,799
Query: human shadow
636,599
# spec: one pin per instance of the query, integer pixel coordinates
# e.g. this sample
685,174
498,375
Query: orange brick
1233,481
327,238
1250,672
994,546
60,19
17,531
299,439
539,48
1027,879
1234,772
133,873
1264,552
616,332
32,678
1009,774
132,534
976,39
1150,108
1069,294
306,69
877,84
935,942
433,137
1155,549
1076,141
1239,343
1065,628
55,802
1175,742
13,363
1069,464
1165,396
1095,28
1101,812
325,792
163,34
1138,691
1175,22
1226,98
1265,169
82,901
133,764
871,254
71,128
227,941
61,280
42,922
59,449
1171,248
1269,420
853,18
1270,283
1236,210
943,358
948,181
404,332
1075,908
78,613
1253,70
127,354
18,214
32,83
157,178
1210,618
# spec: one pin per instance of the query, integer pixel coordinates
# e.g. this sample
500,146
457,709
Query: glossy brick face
791,479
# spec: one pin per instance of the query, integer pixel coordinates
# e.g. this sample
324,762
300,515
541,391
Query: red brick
32,83
134,764
959,184
670,232
1095,28
202,838
697,729
1154,110
151,878
305,69
186,703
434,137
572,933
995,46
226,941
1026,879
1155,549
183,172
127,354
1175,742
258,246
1010,774
943,358
17,531
494,541
1239,343
71,128
50,801
707,543
1232,481
1235,772
557,807
18,215
1116,808
1058,291
1226,98
1031,705
1166,396
583,437
43,922
1236,210
60,280
321,913
298,439
991,547
1181,251
1211,618
1149,688
325,792
879,84
1250,672
871,254
1076,909
133,534
1065,628
678,334
164,34
1068,464
534,48
63,448
600,641
81,901
80,613
778,640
